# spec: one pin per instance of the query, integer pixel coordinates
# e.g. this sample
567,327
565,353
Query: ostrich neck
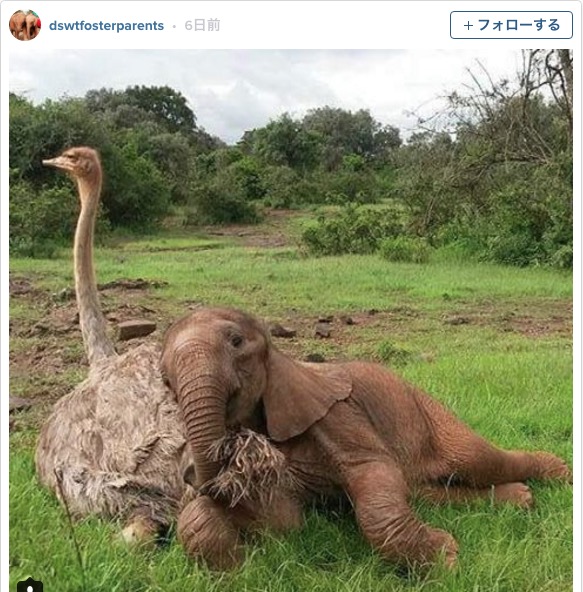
91,319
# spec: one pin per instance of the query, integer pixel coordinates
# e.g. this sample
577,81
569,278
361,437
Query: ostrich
115,446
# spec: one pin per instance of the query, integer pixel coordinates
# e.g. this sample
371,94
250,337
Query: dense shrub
496,175
146,159
352,229
135,193
40,221
246,175
213,203
407,249
563,257
43,221
281,187
347,186
524,222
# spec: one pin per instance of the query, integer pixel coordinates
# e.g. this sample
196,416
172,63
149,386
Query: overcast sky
233,91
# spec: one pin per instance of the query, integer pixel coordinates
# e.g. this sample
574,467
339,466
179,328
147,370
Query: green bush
39,221
135,193
347,186
352,229
405,248
281,185
247,175
562,257
42,222
213,203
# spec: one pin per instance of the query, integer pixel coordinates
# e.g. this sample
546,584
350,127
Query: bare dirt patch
20,286
131,284
272,233
531,318
535,319
47,358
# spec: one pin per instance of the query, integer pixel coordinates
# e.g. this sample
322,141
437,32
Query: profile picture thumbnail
25,25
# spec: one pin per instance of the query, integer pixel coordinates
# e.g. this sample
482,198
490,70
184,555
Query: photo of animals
24,25
293,335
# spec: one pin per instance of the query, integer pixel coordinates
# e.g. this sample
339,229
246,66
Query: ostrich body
115,446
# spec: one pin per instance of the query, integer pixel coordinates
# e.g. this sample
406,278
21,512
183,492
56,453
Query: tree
158,103
494,168
343,132
285,142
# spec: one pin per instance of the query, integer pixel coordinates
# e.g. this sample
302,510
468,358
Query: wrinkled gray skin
355,428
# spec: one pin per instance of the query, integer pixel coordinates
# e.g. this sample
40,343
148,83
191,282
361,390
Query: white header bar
262,24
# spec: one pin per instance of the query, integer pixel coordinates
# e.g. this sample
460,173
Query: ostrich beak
59,163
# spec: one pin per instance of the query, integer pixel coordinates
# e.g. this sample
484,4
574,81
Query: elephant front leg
210,530
379,494
208,533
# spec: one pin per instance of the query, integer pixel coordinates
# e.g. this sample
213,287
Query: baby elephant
354,427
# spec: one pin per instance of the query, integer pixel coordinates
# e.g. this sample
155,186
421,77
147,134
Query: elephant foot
207,533
439,545
552,467
426,547
518,494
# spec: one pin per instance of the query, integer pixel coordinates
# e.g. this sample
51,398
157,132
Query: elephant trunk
202,398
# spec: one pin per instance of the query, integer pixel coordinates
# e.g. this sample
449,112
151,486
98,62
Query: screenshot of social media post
291,296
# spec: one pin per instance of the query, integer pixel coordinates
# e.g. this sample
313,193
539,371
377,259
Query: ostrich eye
236,340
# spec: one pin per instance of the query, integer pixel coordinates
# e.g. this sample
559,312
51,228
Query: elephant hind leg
488,465
379,494
516,493
468,459
550,466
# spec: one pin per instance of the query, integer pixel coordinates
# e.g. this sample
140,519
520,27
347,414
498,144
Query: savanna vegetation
447,258
489,176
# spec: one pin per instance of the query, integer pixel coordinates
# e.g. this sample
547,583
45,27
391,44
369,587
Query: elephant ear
300,394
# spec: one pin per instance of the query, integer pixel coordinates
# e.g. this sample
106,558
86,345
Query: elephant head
31,25
226,372
18,25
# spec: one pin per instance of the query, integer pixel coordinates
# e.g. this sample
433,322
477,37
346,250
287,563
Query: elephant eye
236,340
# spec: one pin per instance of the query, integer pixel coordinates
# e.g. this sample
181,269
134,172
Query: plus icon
468,25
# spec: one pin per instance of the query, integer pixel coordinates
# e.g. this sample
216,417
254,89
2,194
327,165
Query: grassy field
493,343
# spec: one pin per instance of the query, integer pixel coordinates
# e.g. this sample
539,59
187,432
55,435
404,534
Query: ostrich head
79,162
83,164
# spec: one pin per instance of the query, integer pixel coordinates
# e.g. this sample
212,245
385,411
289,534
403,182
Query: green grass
507,371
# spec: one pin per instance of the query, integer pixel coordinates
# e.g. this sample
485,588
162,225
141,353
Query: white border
349,24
